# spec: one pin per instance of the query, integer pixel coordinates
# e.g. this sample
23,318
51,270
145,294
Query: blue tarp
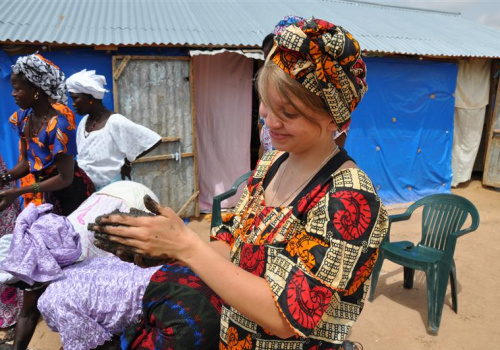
402,132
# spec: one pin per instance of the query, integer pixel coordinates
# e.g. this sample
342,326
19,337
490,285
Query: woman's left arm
65,167
166,235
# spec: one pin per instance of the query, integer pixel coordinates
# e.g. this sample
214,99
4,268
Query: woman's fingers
152,205
121,231
124,220
156,208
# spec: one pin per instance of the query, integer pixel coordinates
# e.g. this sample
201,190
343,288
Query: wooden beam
121,67
170,139
184,207
155,58
106,48
194,133
161,157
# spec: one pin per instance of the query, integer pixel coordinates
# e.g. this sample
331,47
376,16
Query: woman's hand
162,236
126,170
7,197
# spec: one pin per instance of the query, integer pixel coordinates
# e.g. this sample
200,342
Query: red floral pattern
307,304
253,259
352,221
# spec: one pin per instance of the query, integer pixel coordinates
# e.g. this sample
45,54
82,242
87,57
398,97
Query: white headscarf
87,82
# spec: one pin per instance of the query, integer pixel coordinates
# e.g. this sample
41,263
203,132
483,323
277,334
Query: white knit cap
87,82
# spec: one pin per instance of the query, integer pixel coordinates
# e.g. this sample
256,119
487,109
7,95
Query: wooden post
194,133
491,177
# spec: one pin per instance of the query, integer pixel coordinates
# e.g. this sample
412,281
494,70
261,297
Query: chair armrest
400,217
395,218
216,204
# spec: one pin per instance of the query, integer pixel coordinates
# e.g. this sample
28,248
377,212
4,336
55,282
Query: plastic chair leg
437,281
432,285
375,275
453,284
408,275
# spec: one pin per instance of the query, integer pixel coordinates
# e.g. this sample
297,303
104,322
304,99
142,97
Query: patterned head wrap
87,82
43,74
285,22
326,60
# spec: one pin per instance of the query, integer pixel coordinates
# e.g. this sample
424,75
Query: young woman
48,138
48,148
107,141
293,262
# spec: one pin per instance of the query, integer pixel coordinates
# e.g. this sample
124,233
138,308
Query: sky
484,12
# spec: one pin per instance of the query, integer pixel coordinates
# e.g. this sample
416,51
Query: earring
90,102
36,96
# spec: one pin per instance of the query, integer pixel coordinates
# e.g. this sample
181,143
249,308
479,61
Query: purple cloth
97,298
42,243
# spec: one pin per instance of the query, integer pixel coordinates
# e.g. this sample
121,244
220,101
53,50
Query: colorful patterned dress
10,297
59,136
316,254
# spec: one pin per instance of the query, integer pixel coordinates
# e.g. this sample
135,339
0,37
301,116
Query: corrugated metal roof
234,23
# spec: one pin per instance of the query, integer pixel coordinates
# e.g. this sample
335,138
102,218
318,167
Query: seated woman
107,141
292,263
48,148
102,295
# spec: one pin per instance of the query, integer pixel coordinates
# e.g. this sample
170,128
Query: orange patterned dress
58,137
316,254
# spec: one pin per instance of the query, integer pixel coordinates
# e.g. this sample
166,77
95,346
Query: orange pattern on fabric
234,343
302,245
68,113
363,274
51,125
47,61
63,138
30,197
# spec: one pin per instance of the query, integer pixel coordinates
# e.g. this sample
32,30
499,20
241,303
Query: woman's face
81,103
295,130
22,91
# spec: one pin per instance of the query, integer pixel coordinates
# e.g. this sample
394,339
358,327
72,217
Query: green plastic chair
442,220
216,204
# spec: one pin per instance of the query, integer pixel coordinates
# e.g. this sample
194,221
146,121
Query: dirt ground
397,317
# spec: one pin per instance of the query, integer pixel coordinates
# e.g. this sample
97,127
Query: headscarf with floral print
326,60
43,74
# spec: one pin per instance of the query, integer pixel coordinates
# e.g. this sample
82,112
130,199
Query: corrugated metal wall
155,92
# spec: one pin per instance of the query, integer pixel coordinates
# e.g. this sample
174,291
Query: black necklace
34,132
86,132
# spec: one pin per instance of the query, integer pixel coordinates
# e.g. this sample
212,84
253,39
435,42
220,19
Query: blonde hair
287,88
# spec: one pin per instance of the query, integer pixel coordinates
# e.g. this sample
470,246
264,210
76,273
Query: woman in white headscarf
107,141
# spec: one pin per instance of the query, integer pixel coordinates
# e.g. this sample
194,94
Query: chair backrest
443,218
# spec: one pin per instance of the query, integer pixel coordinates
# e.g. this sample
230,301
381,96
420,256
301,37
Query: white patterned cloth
121,195
102,153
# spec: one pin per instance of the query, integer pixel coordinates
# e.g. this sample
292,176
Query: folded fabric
42,243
